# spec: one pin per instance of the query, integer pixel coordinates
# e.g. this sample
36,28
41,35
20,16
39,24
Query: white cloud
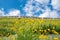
54,14
44,2
50,14
47,12
56,4
13,12
1,12
30,9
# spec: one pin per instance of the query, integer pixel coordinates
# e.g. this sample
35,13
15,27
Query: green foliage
6,32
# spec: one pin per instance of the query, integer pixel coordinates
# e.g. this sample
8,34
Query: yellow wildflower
48,29
20,30
40,30
40,21
53,27
45,31
43,36
35,30
13,28
12,37
55,32
55,38
16,22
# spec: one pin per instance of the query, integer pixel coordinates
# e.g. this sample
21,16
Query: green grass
29,28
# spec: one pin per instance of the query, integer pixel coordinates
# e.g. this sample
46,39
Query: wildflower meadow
26,28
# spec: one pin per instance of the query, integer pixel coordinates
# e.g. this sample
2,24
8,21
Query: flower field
29,28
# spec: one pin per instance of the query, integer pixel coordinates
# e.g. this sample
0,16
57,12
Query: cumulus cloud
2,12
50,14
44,2
45,14
38,5
56,4
13,12
32,7
28,10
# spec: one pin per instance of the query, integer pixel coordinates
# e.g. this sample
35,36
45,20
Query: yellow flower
40,30
55,38
32,21
48,29
12,37
43,36
13,28
53,27
45,31
55,32
40,21
34,30
16,22
20,30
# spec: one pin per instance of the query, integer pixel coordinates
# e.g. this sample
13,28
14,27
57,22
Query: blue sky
36,8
